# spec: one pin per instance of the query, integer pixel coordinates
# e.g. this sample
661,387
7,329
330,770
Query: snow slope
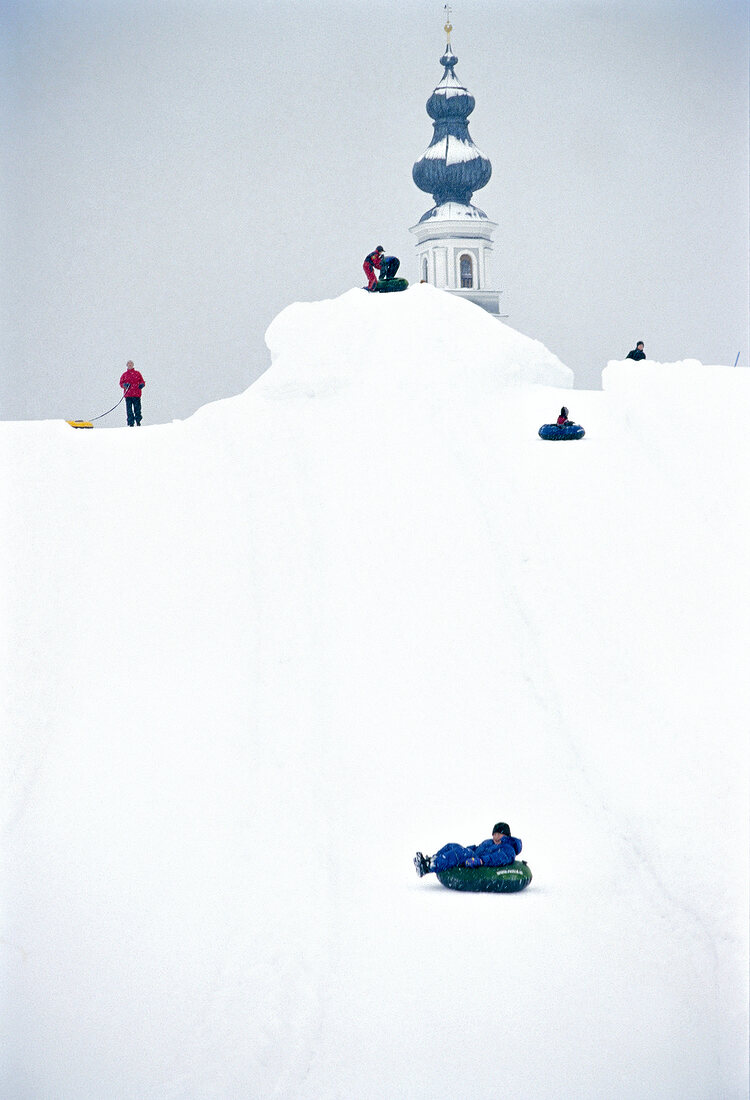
254,660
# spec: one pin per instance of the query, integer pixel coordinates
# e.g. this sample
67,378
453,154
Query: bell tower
454,237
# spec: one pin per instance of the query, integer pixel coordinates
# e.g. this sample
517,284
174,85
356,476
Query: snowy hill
257,658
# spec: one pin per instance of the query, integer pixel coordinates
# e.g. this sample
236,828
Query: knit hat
501,827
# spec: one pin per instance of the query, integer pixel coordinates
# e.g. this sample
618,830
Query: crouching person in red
371,262
497,852
132,383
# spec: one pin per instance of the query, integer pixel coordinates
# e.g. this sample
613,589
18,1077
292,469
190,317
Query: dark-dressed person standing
132,383
637,353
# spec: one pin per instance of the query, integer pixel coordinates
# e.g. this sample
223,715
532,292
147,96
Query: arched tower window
467,272
424,270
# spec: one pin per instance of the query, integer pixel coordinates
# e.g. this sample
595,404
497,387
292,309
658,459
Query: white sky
176,173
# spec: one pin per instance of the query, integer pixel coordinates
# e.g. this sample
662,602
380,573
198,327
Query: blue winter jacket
491,854
496,855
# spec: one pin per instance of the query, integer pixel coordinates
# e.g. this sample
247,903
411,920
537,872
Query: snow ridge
260,657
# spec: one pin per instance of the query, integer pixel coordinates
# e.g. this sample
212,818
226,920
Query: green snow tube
386,286
488,880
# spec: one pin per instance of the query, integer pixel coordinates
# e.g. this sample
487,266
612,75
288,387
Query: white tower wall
450,234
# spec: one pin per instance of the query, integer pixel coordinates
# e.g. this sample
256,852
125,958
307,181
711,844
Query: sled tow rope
90,423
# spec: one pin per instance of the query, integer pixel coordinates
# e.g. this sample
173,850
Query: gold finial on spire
448,28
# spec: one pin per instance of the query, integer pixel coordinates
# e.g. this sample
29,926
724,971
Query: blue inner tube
561,431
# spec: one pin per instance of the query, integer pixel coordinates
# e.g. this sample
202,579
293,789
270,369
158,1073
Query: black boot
422,864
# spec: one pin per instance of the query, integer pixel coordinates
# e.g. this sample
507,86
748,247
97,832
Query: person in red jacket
132,383
373,261
563,417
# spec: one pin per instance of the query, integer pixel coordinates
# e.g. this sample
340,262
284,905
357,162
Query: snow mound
256,658
684,385
425,339
713,402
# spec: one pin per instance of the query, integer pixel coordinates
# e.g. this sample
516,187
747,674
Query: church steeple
454,237
452,168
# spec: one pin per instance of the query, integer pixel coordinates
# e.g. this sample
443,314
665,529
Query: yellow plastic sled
80,423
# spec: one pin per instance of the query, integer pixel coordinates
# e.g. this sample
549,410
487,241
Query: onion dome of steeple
452,167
